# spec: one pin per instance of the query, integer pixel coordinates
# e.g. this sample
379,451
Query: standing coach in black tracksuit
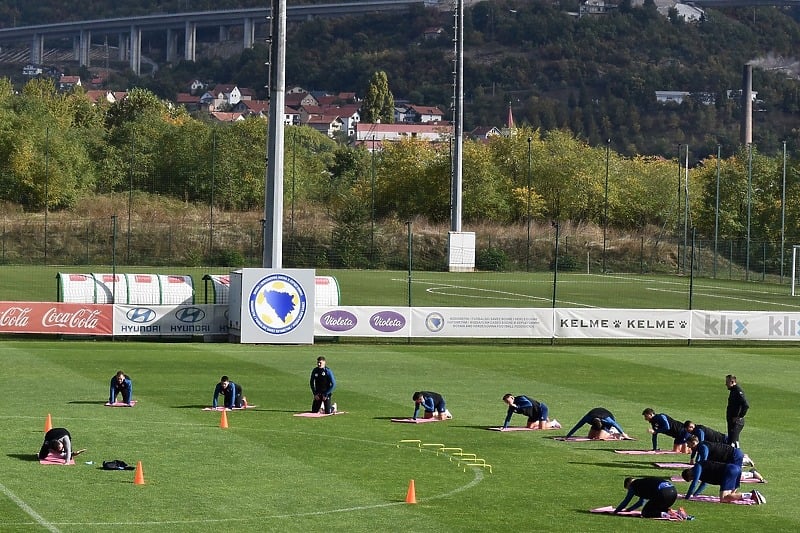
737,408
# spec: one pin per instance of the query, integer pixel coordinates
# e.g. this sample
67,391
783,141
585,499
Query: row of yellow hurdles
462,459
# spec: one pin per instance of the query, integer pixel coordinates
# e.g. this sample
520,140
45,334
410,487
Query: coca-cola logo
15,316
80,319
387,321
338,320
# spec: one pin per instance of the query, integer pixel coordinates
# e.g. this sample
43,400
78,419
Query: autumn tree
378,104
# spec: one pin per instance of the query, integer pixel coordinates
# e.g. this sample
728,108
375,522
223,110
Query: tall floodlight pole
716,211
273,202
458,119
749,199
528,214
783,209
605,208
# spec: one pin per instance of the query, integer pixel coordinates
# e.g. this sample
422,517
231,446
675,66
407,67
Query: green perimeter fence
514,269
389,246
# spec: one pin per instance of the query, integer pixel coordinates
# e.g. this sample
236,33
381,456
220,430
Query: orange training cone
223,421
411,496
138,476
48,424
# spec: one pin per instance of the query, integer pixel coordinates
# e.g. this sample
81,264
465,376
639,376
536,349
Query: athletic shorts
543,413
731,478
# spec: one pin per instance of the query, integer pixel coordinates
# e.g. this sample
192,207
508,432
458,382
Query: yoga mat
553,425
609,509
319,415
54,459
519,428
715,499
673,465
218,408
120,404
679,479
417,421
647,452
587,439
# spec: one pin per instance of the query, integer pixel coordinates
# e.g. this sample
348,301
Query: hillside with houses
648,75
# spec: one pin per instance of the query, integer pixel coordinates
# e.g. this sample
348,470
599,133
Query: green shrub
494,259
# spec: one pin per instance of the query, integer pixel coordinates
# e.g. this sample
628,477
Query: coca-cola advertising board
56,318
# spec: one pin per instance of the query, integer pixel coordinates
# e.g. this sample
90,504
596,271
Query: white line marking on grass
723,297
441,290
29,510
477,479
477,471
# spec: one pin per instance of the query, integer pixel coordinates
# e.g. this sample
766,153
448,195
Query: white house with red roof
367,134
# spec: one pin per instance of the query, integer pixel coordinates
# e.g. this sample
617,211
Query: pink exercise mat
715,499
609,509
54,459
219,408
417,420
120,404
319,415
587,439
673,465
647,452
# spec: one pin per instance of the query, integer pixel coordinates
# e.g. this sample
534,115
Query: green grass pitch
271,471
478,289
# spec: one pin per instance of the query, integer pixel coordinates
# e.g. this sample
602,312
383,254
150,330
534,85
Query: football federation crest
277,304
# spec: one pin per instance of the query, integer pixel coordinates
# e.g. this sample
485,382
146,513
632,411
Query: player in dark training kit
659,494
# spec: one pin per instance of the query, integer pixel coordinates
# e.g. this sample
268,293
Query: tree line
57,147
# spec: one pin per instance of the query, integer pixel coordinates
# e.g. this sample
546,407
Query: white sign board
277,306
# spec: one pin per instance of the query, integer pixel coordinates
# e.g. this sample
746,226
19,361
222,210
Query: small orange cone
48,424
223,421
138,476
411,496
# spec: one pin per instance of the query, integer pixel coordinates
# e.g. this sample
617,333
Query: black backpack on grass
116,464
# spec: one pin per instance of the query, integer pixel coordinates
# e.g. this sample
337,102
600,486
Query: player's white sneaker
334,408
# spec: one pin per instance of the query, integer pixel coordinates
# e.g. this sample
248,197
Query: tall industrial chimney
747,105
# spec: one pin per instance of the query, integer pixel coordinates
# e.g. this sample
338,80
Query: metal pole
528,215
408,225
783,209
686,208
605,208
130,196
113,258
294,164
372,209
458,120
691,271
678,224
46,185
555,271
213,164
273,202
716,211
749,199
691,277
